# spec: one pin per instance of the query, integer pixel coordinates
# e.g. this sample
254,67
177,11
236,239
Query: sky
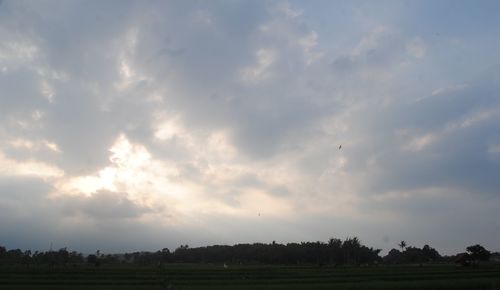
140,125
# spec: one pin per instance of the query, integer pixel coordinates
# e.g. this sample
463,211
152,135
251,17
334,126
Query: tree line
334,252
412,255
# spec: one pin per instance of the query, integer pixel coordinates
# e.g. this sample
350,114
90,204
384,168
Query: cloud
104,205
188,118
416,47
27,189
401,141
14,168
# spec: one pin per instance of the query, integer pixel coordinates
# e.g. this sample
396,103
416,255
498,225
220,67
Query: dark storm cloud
104,205
30,219
23,189
23,210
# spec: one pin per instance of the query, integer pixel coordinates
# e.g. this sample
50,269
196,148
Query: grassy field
205,277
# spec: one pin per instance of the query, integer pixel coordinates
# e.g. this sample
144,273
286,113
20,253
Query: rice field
205,277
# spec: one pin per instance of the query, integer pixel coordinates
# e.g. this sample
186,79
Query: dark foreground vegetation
249,277
335,264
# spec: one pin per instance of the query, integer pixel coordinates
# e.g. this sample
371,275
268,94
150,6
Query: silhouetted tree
75,258
393,257
93,259
478,253
463,259
27,258
3,250
335,251
351,247
402,245
412,255
430,253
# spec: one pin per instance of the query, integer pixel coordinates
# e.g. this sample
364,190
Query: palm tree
402,245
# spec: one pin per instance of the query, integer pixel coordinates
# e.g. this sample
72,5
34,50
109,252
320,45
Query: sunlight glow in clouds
10,167
131,170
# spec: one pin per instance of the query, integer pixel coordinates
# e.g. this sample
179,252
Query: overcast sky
138,125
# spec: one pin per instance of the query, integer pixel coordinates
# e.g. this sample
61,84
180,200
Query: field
205,277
